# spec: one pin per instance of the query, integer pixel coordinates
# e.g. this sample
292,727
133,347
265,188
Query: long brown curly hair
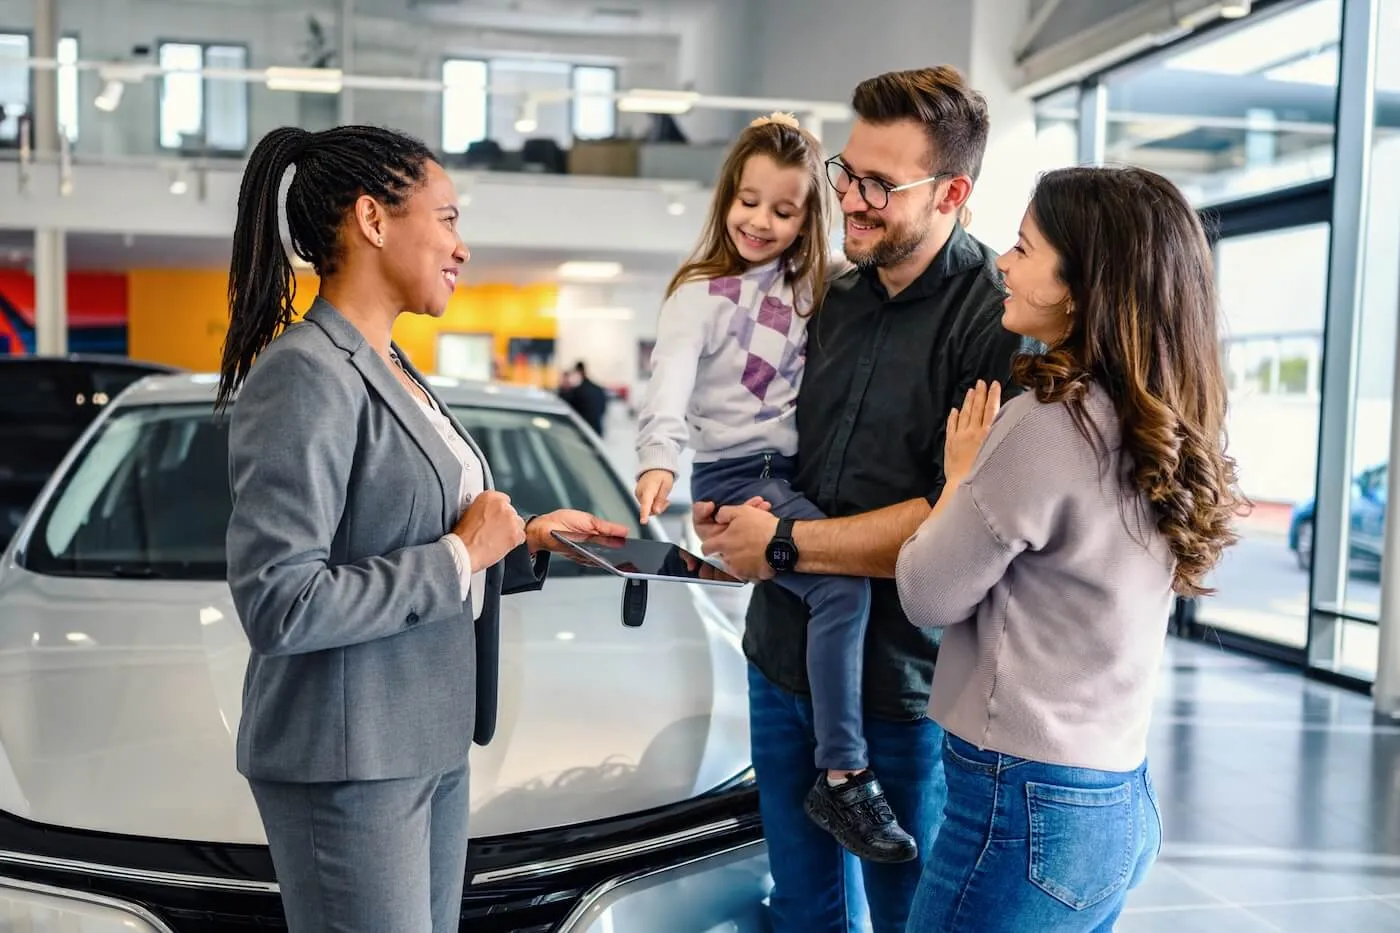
1143,326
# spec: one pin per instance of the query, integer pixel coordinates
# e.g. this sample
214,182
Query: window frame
28,36
574,102
204,46
442,100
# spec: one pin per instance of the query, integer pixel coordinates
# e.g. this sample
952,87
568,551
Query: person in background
726,369
586,397
1067,523
897,341
367,553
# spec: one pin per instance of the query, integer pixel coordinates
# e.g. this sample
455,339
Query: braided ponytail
333,169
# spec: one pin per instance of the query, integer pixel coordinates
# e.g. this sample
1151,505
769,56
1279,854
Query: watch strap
784,531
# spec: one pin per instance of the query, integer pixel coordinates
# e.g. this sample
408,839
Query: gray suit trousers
369,856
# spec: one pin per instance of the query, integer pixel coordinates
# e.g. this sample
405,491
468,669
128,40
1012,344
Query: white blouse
473,482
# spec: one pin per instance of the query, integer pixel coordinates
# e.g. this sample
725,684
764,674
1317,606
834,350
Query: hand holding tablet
644,559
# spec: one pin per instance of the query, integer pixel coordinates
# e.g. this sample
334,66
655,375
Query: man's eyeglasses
873,191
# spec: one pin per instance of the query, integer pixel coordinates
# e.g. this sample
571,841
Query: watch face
780,555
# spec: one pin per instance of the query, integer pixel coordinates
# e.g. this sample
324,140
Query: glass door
1271,259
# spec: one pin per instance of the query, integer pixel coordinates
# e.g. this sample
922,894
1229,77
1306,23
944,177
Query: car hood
120,701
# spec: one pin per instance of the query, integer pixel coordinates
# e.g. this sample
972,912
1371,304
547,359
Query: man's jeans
1032,846
817,883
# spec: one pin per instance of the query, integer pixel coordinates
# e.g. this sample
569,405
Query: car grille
519,884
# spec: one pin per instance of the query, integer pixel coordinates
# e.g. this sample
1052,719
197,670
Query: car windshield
148,497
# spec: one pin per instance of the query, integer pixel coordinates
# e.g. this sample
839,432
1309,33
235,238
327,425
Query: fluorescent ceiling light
111,96
1235,9
673,102
585,269
307,80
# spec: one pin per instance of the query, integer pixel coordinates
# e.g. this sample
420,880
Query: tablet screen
643,559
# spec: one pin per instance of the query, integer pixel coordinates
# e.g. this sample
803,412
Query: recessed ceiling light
586,269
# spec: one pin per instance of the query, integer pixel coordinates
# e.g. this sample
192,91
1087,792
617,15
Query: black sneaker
860,818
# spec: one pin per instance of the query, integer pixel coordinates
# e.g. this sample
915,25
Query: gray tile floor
1281,802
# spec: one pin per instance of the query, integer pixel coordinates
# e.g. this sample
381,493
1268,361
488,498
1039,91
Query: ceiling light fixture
1235,9
656,101
111,97
586,270
306,80
527,121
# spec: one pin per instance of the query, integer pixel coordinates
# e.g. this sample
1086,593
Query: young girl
728,360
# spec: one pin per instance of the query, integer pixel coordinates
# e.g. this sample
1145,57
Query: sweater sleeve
1007,505
680,342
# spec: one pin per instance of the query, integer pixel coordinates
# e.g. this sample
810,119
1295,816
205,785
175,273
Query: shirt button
412,618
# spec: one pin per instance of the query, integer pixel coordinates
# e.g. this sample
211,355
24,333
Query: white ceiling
89,251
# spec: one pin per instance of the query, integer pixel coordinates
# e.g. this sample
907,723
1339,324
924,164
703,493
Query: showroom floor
1281,802
1280,798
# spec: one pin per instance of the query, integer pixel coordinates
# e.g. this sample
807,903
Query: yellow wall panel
180,316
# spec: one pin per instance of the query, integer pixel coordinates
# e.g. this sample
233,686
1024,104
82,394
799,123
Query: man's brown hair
953,115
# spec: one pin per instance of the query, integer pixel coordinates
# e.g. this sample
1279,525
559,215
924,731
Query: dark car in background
46,402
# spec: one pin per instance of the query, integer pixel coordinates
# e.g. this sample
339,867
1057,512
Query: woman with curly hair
1069,520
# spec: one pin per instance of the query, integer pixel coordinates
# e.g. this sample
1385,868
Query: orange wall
179,316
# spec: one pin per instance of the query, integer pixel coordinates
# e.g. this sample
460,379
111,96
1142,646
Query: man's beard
896,245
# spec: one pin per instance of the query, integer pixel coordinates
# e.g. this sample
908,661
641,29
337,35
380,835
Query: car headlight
722,893
43,909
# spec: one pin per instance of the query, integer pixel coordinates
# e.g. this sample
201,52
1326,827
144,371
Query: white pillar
45,79
50,253
1010,166
346,98
50,292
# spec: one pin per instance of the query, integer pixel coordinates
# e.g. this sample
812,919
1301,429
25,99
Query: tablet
644,559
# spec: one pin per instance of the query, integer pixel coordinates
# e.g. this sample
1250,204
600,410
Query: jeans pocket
1083,842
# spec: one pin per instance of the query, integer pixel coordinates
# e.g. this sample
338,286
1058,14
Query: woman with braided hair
367,552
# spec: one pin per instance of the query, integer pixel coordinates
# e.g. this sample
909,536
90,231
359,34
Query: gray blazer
365,661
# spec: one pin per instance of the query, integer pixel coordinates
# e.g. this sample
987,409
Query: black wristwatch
782,550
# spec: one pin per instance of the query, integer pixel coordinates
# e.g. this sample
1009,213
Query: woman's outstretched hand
540,534
968,427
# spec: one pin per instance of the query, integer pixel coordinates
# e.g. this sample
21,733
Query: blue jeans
819,887
368,856
839,607
1032,846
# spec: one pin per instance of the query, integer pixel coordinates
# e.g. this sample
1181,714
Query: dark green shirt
882,374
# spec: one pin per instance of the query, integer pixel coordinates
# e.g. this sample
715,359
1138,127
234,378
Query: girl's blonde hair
782,139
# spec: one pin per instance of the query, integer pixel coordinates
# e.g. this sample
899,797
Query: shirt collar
957,256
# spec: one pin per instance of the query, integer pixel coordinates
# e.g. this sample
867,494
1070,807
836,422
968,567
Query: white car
616,796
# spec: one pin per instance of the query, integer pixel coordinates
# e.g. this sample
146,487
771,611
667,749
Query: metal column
1386,692
50,244
1342,333
1093,122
